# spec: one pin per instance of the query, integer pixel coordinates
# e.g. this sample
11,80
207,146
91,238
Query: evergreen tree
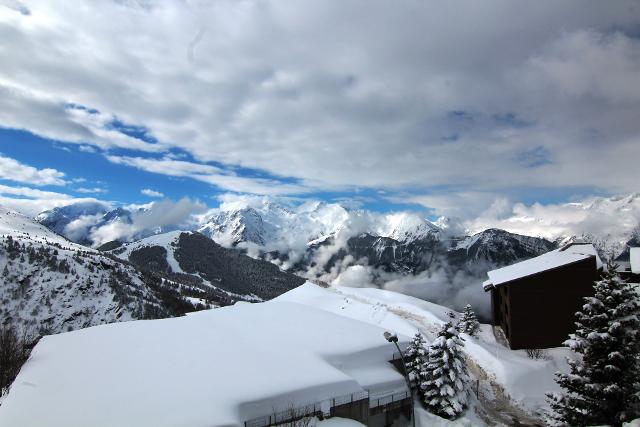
416,358
602,386
445,386
468,322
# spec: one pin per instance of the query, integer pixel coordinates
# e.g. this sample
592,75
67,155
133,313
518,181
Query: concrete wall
357,410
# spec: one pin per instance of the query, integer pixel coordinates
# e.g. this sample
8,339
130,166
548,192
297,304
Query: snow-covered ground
15,224
509,381
224,366
215,367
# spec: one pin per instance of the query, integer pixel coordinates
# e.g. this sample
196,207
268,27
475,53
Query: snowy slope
167,241
511,384
17,225
51,285
303,356
220,275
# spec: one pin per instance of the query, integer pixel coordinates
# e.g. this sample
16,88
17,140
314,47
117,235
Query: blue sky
121,184
459,114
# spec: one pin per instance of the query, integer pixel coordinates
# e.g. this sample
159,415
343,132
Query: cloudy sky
445,107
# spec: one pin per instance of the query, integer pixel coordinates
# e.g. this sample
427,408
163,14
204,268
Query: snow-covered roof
634,259
216,367
565,255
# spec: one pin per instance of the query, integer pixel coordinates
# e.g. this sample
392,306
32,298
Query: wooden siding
538,311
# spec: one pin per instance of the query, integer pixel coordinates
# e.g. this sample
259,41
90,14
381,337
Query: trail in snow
494,403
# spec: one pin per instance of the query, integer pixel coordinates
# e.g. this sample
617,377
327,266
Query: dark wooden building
629,269
534,302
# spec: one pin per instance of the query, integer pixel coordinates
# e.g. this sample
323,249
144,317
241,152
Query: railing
296,413
386,400
349,398
317,409
396,356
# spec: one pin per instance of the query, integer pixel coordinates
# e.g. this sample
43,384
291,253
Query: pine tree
602,387
445,387
416,357
468,322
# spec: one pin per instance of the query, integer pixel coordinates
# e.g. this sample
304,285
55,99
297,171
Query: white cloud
151,193
31,201
225,180
463,204
158,214
546,93
16,171
87,149
600,219
94,190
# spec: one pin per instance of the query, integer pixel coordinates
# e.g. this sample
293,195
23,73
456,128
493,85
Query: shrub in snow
416,359
14,351
468,322
445,386
602,386
537,353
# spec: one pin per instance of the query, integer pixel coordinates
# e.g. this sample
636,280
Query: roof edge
588,256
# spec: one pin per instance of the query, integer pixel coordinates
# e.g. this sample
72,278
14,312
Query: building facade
533,303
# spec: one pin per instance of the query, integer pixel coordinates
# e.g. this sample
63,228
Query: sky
449,108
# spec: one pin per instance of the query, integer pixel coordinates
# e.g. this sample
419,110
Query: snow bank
511,376
338,422
228,365
216,367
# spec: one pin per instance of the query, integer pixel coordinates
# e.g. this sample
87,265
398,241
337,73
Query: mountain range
318,235
56,278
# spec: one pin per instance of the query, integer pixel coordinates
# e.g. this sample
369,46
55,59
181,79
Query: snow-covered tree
602,385
468,322
445,386
416,358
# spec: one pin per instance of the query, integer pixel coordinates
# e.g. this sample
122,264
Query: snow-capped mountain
608,222
58,219
320,235
497,248
273,226
76,221
408,227
232,227
85,223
